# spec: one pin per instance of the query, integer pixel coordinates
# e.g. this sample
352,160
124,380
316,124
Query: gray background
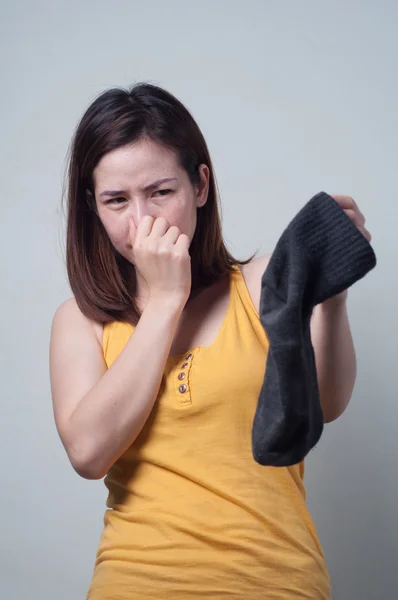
293,98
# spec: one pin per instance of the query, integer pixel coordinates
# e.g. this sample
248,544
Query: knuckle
137,246
163,251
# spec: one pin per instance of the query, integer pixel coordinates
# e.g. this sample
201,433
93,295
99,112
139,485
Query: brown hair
102,281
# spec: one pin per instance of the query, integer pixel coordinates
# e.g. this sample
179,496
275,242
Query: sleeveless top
190,513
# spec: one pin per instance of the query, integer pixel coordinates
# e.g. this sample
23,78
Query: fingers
155,229
172,235
144,227
183,242
352,210
151,227
344,201
357,218
160,254
348,203
159,226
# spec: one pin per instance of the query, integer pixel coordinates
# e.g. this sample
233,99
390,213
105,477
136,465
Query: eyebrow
151,186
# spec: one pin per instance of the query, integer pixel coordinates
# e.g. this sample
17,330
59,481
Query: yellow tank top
190,513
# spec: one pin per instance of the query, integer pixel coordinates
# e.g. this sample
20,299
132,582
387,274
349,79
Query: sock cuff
338,251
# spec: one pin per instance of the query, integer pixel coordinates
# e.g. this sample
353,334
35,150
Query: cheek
117,229
184,215
184,219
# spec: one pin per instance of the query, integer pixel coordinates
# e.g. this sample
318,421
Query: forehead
139,163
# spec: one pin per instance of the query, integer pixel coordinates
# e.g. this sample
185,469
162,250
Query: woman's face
145,179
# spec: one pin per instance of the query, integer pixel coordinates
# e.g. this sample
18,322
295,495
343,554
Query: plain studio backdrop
293,98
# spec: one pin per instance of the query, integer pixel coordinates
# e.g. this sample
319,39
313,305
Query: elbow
335,399
87,462
329,417
332,410
88,470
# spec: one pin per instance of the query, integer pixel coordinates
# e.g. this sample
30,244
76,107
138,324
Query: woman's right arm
98,411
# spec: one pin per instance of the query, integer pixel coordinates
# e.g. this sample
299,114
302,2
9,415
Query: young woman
157,363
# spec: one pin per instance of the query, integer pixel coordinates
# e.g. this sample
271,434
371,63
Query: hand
160,254
353,212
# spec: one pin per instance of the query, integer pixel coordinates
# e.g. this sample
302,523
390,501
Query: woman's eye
116,201
163,192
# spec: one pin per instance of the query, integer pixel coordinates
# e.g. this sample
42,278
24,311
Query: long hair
102,281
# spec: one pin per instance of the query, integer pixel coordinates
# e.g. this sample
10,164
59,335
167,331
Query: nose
139,209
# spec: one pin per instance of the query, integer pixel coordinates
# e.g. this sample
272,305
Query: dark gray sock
320,254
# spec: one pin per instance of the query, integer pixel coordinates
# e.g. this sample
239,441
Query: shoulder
252,273
69,316
257,266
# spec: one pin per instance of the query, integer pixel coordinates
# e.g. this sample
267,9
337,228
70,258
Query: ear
202,188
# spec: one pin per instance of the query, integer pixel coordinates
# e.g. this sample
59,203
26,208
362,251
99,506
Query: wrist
336,302
168,302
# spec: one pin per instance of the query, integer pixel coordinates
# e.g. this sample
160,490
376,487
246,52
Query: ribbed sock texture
320,254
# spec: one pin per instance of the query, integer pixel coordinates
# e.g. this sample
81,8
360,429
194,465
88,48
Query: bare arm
98,411
333,346
334,354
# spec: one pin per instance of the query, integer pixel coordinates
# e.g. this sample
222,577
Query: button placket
182,387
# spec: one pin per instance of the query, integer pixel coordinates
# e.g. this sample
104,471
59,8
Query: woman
156,366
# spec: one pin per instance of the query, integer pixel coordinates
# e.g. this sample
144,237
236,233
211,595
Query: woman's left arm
332,339
334,356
